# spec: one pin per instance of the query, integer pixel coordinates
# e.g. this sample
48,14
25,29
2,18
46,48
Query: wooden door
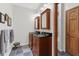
72,31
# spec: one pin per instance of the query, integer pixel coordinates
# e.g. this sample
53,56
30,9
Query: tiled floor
26,51
63,54
21,51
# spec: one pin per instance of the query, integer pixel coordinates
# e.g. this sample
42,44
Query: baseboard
60,51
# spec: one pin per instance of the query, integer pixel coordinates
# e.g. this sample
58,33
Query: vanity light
35,15
46,6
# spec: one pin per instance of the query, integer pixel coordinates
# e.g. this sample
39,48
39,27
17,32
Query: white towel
2,42
6,40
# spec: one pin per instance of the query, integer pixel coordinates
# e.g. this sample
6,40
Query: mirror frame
47,11
38,22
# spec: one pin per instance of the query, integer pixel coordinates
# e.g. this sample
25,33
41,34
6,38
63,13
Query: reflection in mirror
45,19
36,26
36,21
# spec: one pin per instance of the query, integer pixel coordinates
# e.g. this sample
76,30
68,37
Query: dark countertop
43,35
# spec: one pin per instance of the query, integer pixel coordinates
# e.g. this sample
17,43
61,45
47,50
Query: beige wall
23,24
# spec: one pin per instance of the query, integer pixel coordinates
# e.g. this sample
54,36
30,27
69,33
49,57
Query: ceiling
31,6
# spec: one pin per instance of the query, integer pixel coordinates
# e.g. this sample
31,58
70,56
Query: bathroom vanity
41,44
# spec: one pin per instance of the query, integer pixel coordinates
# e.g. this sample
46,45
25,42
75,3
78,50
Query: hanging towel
11,36
6,40
2,42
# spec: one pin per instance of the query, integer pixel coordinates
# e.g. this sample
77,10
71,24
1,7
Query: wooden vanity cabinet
31,40
42,46
35,46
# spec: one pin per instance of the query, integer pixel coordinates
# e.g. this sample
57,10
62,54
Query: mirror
37,24
45,19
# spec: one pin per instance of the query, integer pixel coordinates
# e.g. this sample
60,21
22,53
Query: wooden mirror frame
47,11
38,22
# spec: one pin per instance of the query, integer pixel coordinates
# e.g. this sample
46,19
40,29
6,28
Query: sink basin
41,35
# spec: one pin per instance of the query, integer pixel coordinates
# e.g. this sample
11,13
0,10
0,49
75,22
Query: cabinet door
30,40
49,43
33,50
45,46
35,46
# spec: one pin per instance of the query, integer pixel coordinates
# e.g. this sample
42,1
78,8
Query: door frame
55,29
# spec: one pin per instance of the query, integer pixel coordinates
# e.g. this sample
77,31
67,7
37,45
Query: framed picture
6,17
2,18
9,22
